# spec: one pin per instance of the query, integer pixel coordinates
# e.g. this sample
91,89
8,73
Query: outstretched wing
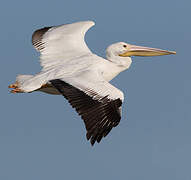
99,105
61,43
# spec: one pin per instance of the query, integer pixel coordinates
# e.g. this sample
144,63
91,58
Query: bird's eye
124,46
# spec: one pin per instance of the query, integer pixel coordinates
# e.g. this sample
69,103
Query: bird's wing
61,43
97,102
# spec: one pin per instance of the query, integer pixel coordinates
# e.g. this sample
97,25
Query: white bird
70,69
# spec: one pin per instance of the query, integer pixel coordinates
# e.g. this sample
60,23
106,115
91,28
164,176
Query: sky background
42,137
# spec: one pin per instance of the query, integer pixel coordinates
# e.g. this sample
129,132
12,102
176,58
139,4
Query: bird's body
71,69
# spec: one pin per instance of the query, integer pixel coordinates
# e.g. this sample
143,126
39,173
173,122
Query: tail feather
20,79
28,83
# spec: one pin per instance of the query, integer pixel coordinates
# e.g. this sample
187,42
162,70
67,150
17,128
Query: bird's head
121,52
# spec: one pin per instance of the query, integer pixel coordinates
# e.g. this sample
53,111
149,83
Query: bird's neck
113,67
123,62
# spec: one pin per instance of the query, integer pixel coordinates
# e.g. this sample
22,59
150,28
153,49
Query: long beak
133,50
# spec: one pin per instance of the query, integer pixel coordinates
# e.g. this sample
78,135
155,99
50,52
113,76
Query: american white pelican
69,68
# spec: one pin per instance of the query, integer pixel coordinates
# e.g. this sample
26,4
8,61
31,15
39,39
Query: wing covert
61,43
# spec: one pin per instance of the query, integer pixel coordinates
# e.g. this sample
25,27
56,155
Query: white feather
63,43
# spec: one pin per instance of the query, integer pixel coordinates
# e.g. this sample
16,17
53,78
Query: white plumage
71,69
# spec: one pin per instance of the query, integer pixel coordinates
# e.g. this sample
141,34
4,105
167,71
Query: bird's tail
20,79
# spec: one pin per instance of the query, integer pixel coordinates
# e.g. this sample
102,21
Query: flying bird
69,68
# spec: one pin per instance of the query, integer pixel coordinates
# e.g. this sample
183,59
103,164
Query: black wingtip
88,135
92,141
100,116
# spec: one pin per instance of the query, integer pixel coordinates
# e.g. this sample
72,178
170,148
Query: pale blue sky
42,137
